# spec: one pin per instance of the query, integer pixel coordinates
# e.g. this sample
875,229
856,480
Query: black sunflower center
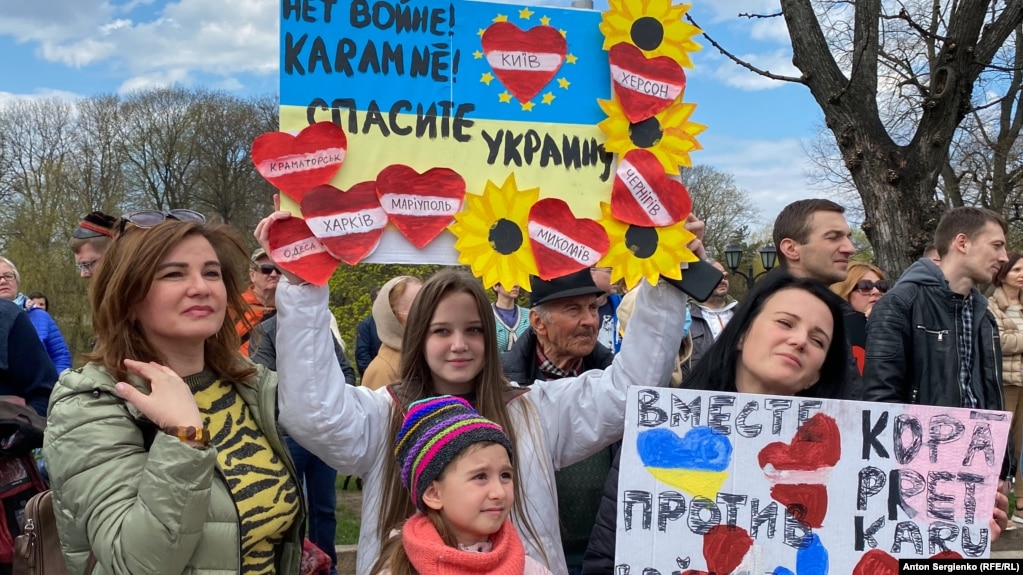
641,241
647,33
646,134
505,237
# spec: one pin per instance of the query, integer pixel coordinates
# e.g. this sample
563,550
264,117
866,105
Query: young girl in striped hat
457,466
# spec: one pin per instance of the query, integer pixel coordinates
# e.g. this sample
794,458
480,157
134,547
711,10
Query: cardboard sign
739,483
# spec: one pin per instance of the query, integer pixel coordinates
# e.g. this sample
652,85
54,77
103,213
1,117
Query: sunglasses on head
146,219
865,286
267,269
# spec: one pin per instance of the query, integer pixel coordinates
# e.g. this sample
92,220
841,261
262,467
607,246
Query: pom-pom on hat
94,225
435,432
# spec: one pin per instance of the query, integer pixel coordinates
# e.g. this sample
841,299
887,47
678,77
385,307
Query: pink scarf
430,556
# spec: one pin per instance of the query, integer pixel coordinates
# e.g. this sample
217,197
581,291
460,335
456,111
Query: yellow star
564,83
487,78
477,55
525,13
548,98
545,20
505,97
527,107
500,18
571,59
480,32
564,33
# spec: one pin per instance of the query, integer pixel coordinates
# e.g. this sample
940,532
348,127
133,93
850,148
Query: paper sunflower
493,237
639,252
654,26
669,135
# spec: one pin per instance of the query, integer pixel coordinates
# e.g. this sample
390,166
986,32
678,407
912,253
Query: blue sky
70,48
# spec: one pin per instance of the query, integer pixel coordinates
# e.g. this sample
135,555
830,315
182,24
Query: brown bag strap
90,564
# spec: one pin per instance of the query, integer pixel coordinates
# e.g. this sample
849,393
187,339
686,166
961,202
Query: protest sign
464,114
731,483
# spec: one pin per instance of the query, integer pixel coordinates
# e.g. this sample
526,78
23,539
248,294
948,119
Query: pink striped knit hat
435,432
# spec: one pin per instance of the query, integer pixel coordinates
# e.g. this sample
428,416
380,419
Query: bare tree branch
742,62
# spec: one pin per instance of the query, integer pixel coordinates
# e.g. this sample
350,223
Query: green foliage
350,289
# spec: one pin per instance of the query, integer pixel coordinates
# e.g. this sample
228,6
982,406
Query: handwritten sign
731,483
482,90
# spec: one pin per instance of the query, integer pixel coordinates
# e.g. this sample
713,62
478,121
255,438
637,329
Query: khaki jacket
1011,339
162,511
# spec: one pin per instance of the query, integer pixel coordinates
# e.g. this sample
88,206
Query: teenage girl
450,349
458,469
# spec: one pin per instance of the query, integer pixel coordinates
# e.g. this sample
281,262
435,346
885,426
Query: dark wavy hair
716,371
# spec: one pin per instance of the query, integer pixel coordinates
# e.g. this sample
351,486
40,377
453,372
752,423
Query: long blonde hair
492,391
856,271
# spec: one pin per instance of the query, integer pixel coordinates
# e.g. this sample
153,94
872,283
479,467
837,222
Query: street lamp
733,257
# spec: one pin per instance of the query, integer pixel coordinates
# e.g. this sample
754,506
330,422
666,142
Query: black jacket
26,370
912,355
600,553
519,362
367,343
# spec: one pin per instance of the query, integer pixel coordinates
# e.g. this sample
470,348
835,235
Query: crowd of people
206,428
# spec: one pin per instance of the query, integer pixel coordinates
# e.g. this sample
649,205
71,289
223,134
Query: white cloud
39,94
771,171
223,37
161,79
770,30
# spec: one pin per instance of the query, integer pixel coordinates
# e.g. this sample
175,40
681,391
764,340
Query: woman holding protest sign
1005,304
450,348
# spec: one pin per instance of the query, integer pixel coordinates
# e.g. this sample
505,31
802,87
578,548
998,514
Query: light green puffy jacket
165,511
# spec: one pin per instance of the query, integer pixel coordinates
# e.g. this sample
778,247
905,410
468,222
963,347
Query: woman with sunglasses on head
163,450
862,287
1005,304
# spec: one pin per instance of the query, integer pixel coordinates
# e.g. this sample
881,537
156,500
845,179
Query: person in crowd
458,469
710,317
862,287
316,477
26,370
1005,304
259,297
367,342
562,342
931,253
451,349
390,314
163,450
46,328
786,338
38,299
608,333
931,339
512,320
89,241
814,241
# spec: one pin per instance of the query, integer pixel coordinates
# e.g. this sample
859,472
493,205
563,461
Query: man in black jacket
562,342
931,339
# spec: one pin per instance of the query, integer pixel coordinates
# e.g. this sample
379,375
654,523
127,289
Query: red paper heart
724,547
808,503
297,164
644,86
561,242
420,205
350,224
643,195
524,61
816,445
294,248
